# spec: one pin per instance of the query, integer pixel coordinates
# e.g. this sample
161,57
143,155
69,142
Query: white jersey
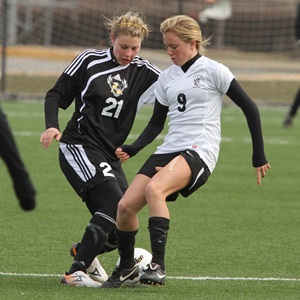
194,99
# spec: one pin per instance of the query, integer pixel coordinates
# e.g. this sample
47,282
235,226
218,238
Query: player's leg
111,243
101,225
187,173
295,105
95,270
97,231
22,182
293,110
130,204
127,221
95,182
173,177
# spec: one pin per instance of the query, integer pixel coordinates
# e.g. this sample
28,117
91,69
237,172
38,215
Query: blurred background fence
255,39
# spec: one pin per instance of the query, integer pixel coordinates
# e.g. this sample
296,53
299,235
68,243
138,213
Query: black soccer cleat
95,270
73,249
154,275
119,276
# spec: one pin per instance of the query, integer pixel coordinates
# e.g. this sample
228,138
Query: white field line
175,278
236,278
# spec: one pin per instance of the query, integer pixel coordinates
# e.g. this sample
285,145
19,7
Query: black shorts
200,171
86,167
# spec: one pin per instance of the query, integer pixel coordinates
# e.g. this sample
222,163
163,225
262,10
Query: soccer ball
142,258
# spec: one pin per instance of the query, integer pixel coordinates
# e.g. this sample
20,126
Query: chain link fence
255,39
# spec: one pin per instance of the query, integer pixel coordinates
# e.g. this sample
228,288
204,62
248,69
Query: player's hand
122,156
48,135
261,172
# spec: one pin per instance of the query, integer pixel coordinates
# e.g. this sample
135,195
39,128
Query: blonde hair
187,29
129,23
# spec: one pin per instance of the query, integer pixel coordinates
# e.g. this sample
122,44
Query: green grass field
229,240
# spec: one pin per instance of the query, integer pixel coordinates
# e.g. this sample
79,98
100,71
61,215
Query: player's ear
193,44
112,38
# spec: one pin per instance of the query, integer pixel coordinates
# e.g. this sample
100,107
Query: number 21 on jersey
112,108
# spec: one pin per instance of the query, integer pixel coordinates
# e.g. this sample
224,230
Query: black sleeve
250,110
152,130
51,111
60,96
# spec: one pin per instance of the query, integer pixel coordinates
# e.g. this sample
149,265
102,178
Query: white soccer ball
142,258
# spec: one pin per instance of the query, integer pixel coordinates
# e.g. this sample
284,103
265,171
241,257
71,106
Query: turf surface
229,240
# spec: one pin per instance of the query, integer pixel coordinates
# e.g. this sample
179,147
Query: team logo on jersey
117,85
197,81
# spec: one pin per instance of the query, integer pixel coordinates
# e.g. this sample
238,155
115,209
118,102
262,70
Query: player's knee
153,190
125,209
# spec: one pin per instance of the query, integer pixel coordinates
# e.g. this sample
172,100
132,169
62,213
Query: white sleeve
160,93
223,78
148,97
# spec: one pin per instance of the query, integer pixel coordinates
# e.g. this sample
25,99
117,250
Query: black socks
93,240
158,229
126,242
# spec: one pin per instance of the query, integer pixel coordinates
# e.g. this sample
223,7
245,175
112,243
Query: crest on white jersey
197,80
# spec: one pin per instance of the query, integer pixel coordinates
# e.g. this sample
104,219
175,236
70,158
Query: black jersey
107,98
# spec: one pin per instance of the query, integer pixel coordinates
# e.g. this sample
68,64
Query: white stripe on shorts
199,174
77,158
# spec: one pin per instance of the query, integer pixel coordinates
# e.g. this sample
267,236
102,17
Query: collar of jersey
113,57
187,65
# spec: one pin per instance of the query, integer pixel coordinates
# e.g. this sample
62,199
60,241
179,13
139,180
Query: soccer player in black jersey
108,86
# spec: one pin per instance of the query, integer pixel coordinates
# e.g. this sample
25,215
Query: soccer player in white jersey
108,87
190,93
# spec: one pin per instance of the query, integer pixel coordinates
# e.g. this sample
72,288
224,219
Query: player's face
125,48
179,51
